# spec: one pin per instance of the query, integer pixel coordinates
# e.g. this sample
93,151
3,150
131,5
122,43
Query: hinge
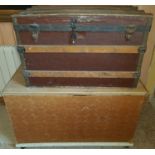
20,49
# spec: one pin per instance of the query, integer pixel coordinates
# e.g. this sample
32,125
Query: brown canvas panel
82,61
82,38
105,82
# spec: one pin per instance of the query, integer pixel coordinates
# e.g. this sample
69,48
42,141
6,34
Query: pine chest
73,115
82,45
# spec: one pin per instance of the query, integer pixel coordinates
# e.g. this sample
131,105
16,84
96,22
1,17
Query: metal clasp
129,32
73,32
34,28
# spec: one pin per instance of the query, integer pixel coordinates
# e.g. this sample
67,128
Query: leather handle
73,37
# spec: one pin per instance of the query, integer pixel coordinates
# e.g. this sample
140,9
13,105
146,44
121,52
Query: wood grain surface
74,118
81,74
83,49
7,34
5,14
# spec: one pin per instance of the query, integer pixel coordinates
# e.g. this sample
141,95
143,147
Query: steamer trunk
82,38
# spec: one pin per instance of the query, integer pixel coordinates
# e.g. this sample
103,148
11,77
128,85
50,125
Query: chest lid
79,24
81,10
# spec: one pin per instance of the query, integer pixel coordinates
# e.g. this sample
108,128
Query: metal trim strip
79,28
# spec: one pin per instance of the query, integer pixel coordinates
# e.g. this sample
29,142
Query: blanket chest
82,45
73,115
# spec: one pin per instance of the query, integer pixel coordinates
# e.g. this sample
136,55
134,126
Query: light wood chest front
72,114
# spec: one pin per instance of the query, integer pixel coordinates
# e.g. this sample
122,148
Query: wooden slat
82,49
4,66
85,74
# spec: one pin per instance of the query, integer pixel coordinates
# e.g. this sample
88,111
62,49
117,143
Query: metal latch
130,29
34,28
73,32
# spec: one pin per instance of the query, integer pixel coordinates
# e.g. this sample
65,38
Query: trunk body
82,38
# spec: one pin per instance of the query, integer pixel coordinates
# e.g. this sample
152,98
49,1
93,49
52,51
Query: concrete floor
144,135
145,132
7,138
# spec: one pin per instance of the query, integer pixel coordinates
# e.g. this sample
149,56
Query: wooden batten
81,74
83,49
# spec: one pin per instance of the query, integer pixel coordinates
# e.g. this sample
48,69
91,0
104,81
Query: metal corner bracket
20,49
26,75
142,49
